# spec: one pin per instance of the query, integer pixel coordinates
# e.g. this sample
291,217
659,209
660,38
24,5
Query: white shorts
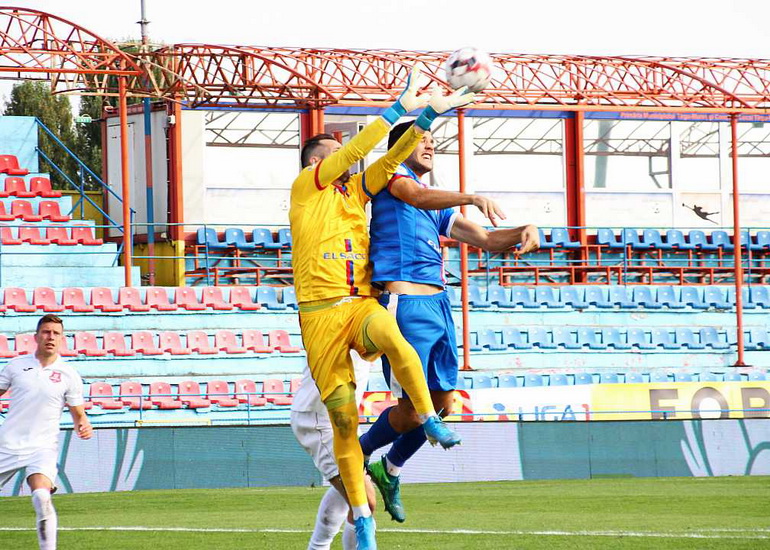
42,461
314,432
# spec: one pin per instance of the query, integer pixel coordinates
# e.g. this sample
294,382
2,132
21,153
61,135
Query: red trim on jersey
395,177
315,176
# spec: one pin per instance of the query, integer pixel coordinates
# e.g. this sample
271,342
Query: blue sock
406,445
380,434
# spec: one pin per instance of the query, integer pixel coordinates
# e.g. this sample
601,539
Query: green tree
89,136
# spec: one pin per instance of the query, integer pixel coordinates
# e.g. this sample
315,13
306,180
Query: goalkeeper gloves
409,100
439,104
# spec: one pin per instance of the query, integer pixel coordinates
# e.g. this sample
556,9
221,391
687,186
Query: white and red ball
468,67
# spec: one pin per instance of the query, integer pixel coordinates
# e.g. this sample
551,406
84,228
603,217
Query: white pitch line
749,534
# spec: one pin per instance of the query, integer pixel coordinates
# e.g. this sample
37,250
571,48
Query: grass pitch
724,513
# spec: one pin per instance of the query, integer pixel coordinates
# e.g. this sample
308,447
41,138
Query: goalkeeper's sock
380,434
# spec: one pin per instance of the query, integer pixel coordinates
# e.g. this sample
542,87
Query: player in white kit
40,384
312,428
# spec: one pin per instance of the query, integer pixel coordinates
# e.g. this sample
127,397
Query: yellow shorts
330,333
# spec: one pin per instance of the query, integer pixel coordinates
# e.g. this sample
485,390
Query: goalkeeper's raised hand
410,99
440,103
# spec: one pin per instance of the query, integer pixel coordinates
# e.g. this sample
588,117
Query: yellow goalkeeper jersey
330,251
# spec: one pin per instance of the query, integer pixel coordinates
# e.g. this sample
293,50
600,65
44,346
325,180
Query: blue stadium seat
521,296
597,296
662,337
611,337
721,240
480,381
638,337
464,383
675,240
631,237
234,236
263,239
714,297
652,239
545,296
710,337
760,296
583,378
606,237
573,296
711,377
564,337
284,237
618,295
686,338
475,299
698,240
533,380
558,380
666,296
757,376
267,297
561,239
540,338
682,377
644,296
454,296
499,296
208,236
545,242
507,381
634,378
747,303
586,336
761,241
693,297
758,338
474,342
290,297
377,383
733,377
659,376
513,338
487,338
609,378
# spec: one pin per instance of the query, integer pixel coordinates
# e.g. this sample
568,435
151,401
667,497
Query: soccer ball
469,67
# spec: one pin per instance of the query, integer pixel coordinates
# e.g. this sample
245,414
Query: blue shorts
426,323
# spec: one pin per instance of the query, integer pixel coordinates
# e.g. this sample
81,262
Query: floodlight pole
737,242
463,246
125,184
148,165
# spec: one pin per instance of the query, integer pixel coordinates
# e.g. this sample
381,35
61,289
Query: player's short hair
397,131
49,318
312,146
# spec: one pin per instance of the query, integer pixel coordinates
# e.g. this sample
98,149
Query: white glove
439,104
410,99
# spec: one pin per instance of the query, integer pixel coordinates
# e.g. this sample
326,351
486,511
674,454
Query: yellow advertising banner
681,401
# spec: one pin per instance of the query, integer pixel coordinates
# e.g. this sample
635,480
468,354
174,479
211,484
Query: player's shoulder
21,361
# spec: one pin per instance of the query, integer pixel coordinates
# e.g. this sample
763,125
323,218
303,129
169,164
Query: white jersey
38,395
308,399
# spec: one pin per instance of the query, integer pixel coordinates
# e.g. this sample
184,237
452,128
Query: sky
728,28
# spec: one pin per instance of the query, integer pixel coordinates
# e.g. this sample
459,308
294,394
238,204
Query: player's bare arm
82,425
469,232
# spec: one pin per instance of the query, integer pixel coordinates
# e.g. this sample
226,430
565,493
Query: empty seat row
167,342
38,187
102,299
25,211
54,234
261,239
675,239
596,338
614,296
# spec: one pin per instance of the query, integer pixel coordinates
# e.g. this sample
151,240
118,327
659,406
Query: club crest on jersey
55,376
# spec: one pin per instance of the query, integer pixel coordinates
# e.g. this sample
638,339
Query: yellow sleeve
354,150
377,176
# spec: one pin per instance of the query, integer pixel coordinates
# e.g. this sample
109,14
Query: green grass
727,513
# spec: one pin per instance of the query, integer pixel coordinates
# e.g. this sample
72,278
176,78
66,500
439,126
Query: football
469,67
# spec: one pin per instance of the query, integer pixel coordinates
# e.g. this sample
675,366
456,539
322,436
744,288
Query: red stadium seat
31,235
115,343
65,351
246,392
101,299
74,300
9,164
144,342
84,234
279,339
6,236
4,215
23,209
218,392
5,351
157,298
16,299
5,400
86,343
190,394
17,187
49,210
161,396
254,341
275,392
100,394
240,297
41,187
25,343
132,394
59,235
198,341
294,386
44,298
227,341
130,298
212,297
171,343
184,296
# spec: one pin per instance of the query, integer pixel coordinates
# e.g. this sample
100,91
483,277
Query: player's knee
342,410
